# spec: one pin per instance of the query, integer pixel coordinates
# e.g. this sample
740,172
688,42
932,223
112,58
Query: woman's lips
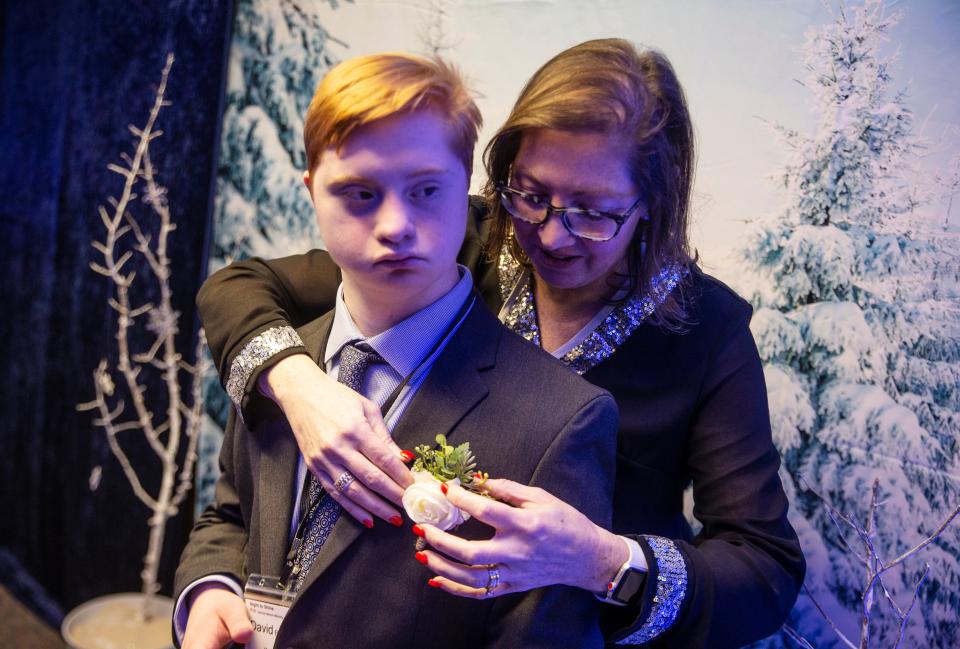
555,260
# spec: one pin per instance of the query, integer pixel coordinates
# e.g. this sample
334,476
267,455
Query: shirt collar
405,345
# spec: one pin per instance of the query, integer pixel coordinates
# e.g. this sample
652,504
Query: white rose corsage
423,501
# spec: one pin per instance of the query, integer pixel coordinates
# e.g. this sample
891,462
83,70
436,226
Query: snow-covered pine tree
858,323
278,54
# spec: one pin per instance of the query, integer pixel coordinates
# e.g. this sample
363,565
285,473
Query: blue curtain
73,75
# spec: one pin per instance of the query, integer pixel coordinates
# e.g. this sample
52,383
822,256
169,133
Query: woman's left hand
539,541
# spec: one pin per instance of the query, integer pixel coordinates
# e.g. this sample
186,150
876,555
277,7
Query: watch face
631,585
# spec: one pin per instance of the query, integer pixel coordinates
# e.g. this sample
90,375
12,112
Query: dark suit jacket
526,417
692,410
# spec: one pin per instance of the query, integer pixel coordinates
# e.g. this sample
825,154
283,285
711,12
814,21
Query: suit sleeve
578,468
240,302
738,578
219,537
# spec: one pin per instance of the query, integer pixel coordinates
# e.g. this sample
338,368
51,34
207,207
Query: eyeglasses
585,224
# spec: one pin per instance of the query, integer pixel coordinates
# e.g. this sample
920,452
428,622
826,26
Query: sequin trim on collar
671,589
254,354
509,271
520,314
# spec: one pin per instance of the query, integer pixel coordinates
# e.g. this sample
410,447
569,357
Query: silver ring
493,579
342,482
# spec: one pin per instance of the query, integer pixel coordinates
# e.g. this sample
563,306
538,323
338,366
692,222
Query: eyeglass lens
580,223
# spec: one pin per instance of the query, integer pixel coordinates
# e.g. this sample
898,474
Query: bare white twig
794,635
874,568
180,422
843,638
905,615
927,541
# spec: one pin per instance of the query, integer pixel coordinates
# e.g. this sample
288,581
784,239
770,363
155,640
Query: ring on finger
493,579
343,481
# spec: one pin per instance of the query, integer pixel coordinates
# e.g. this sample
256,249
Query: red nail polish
421,557
396,520
367,523
434,583
419,531
406,456
443,487
610,585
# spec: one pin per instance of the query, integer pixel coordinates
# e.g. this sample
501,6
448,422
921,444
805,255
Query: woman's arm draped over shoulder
247,298
250,308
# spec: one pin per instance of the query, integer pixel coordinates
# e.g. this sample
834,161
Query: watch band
630,578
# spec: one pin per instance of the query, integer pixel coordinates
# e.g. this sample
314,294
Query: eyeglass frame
618,218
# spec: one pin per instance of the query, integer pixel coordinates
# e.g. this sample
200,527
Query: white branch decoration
874,568
183,418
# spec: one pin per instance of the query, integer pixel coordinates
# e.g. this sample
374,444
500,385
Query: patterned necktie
354,361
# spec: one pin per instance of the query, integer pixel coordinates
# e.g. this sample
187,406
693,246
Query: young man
389,142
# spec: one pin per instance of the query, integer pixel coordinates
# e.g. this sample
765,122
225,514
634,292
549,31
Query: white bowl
113,622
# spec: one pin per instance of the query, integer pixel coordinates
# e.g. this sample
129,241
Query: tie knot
355,358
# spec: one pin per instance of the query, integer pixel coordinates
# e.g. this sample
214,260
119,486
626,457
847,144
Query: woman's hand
540,541
340,431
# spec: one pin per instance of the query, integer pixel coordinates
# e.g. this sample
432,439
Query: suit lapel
315,336
277,472
451,389
279,457
454,386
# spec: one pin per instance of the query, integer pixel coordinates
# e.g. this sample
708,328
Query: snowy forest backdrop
828,172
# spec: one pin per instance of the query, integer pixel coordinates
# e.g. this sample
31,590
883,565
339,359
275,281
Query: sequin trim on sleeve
254,354
671,589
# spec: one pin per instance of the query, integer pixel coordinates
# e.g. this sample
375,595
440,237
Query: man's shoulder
523,366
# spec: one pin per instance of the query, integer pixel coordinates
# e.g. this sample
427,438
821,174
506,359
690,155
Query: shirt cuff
254,354
181,611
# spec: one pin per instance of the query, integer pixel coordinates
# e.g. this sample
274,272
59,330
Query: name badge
267,604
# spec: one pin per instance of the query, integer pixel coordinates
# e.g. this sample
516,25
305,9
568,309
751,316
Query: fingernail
434,583
396,520
443,487
421,557
419,531
367,523
406,456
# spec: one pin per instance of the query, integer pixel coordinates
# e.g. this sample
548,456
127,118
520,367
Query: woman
584,219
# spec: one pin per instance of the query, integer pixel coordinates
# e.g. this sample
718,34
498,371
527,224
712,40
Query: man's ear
306,178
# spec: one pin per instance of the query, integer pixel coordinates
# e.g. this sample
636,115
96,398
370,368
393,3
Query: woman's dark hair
607,86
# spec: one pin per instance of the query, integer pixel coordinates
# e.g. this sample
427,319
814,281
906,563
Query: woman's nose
553,234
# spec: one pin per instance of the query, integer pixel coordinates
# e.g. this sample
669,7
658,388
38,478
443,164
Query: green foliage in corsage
450,462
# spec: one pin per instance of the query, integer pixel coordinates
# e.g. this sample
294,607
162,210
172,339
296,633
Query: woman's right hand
340,431
539,540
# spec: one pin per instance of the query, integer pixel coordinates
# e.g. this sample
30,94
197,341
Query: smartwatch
630,578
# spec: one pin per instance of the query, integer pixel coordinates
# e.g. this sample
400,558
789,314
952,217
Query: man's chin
397,283
407,279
